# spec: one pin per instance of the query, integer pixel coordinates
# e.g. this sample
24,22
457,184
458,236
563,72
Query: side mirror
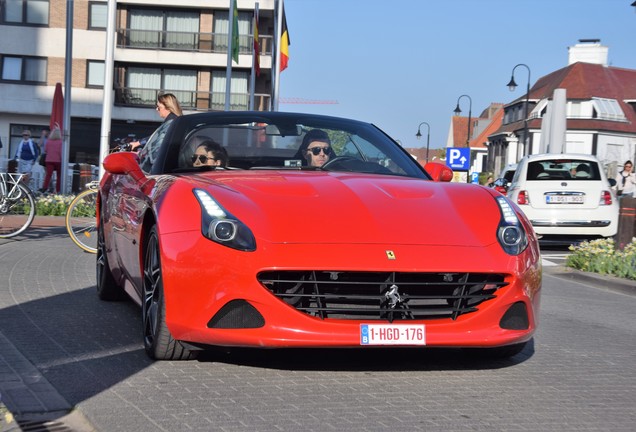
127,163
122,163
439,172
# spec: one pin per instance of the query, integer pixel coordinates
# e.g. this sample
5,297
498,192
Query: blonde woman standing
53,150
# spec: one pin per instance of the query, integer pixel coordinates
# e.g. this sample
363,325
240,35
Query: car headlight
221,227
510,233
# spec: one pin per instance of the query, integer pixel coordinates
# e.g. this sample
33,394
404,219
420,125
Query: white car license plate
564,199
392,334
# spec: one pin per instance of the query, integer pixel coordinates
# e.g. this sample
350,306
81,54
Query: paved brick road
61,348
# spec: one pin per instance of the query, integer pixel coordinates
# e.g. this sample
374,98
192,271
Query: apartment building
177,46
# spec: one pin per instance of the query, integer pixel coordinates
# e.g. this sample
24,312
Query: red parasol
57,111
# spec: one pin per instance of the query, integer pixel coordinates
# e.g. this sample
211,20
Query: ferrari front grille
387,296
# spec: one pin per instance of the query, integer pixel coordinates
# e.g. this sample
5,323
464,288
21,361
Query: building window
95,74
607,109
239,94
574,109
98,16
33,12
178,30
28,70
143,85
221,28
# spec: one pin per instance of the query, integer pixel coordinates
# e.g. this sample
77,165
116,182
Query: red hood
331,207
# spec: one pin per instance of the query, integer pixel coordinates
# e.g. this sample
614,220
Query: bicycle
81,216
17,205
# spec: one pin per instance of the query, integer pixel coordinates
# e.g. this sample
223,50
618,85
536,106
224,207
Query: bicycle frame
15,179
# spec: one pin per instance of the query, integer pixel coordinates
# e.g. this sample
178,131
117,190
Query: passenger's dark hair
216,149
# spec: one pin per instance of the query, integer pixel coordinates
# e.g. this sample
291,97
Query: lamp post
512,85
458,111
418,135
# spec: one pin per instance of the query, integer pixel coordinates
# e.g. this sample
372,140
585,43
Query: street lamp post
512,85
418,135
458,111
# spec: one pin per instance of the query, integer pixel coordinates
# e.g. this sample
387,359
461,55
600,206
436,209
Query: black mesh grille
237,314
386,296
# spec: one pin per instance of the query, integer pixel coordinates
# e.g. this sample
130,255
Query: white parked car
565,196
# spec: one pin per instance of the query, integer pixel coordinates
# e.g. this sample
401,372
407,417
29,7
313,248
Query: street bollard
85,175
76,179
626,222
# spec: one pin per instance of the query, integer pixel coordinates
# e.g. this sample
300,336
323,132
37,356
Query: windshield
285,142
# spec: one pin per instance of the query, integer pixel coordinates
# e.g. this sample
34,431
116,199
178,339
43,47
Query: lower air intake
237,314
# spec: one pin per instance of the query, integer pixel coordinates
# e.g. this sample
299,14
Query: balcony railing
190,100
188,41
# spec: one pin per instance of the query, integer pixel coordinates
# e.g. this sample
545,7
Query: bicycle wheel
81,220
17,209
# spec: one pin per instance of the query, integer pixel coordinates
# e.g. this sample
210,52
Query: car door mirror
439,172
125,163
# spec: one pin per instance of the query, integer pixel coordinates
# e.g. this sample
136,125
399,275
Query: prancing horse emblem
393,296
390,254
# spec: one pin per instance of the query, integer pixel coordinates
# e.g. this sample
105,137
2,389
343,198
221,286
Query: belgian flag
284,44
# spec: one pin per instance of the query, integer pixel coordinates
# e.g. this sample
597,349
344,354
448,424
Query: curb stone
625,286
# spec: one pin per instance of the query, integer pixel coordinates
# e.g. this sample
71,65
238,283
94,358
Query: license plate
392,334
564,199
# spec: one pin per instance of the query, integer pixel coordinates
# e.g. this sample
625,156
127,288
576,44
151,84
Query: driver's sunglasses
201,158
316,150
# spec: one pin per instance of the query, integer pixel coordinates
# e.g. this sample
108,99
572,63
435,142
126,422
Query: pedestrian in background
53,151
626,180
44,135
26,155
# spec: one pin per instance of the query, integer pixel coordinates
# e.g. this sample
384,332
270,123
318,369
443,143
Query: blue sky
402,62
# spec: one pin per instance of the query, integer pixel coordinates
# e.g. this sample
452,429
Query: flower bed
52,205
601,256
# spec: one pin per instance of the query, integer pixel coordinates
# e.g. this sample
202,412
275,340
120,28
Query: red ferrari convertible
271,229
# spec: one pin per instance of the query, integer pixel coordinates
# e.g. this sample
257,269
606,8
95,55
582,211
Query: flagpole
228,73
276,66
109,70
253,76
68,75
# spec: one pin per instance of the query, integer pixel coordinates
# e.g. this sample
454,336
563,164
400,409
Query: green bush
52,205
601,256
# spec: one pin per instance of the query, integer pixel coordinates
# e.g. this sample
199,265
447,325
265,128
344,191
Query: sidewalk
49,221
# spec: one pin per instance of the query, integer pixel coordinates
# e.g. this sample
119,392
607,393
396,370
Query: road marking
547,263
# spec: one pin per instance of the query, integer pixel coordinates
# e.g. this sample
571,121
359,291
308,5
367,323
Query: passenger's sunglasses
201,158
316,150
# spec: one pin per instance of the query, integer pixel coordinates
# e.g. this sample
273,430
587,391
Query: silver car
565,196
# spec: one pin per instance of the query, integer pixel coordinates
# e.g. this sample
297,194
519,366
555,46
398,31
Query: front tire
158,342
